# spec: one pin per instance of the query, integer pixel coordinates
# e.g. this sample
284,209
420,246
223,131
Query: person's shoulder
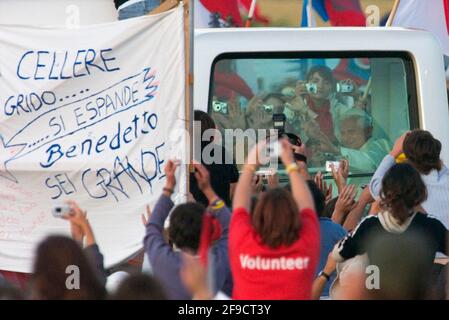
368,223
425,218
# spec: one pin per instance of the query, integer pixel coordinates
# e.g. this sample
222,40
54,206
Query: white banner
92,115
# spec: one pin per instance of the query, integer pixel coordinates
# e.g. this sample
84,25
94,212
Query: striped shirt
437,183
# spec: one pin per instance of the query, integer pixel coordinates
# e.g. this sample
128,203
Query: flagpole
251,13
309,13
393,13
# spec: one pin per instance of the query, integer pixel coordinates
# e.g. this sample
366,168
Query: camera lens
216,106
58,210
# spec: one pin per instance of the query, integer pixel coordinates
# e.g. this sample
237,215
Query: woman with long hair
273,252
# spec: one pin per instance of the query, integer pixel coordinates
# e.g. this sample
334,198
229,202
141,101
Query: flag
210,232
217,13
429,15
257,15
336,12
356,69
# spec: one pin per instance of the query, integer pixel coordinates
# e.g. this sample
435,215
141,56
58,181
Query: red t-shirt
284,273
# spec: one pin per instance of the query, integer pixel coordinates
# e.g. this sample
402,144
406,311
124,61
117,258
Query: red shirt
284,273
324,118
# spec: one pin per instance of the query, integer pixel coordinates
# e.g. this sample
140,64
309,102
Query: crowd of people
332,117
293,241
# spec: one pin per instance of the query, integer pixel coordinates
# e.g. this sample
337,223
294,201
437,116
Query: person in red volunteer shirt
274,251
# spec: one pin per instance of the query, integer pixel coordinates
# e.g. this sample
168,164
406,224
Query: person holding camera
356,142
277,246
317,103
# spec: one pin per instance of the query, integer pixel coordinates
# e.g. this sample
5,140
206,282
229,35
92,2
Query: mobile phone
329,165
61,210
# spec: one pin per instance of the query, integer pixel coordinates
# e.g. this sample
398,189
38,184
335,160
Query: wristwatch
324,274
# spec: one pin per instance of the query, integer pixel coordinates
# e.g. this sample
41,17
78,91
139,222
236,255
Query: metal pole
393,13
251,14
310,13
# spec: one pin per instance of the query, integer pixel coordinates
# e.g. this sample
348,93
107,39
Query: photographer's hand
301,88
203,179
80,226
170,170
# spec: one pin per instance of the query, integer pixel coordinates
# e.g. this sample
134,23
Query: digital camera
61,210
220,106
312,87
267,108
345,87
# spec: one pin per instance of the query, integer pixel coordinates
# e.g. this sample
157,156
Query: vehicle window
342,107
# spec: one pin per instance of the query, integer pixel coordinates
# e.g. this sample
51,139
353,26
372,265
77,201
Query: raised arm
375,184
83,233
300,190
243,190
154,242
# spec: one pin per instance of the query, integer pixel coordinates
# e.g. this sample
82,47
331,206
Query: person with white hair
357,143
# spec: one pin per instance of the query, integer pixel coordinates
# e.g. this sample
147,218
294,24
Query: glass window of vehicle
342,106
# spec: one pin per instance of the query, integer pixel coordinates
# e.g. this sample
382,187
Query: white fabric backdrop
89,114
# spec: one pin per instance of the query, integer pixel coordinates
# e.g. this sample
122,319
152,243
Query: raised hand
257,184
341,174
170,170
398,145
202,176
323,186
146,218
79,224
236,116
286,152
344,204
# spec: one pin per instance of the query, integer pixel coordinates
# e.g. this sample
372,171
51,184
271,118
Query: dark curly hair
185,226
402,190
423,151
324,71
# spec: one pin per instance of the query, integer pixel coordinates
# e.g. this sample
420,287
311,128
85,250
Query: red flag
345,13
210,232
226,8
257,15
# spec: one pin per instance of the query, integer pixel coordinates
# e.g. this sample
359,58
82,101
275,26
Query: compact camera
267,108
220,106
312,87
344,87
61,210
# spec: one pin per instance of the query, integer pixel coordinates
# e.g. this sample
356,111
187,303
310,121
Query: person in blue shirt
331,233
